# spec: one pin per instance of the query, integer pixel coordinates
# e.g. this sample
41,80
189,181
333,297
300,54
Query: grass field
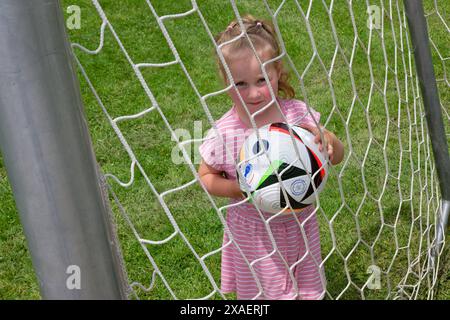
375,208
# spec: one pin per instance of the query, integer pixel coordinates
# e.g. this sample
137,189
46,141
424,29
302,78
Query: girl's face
249,79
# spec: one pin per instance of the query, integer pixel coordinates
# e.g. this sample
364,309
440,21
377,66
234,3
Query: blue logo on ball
247,170
298,187
257,146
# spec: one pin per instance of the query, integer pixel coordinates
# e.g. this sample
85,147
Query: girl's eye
262,80
240,84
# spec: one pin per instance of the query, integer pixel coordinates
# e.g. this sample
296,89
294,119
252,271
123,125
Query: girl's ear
277,66
279,69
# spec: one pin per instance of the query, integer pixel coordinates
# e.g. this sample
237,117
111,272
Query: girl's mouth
256,104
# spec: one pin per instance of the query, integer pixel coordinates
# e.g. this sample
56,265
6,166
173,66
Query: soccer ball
256,168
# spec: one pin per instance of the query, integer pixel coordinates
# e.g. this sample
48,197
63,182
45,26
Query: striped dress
265,258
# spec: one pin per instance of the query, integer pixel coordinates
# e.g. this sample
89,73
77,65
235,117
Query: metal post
49,158
425,72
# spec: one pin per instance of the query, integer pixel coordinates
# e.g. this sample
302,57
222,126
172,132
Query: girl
294,270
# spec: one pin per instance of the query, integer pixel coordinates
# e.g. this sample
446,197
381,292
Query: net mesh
152,75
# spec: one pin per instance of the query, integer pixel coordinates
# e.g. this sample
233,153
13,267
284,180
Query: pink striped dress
255,265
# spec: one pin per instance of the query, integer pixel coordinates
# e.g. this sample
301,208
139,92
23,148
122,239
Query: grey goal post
427,81
48,155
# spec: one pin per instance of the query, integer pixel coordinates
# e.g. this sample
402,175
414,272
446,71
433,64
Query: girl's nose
254,92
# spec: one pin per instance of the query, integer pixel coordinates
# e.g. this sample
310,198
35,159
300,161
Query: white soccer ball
299,176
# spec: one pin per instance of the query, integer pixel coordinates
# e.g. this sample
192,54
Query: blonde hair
262,35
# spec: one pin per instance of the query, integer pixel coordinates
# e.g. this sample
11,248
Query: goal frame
51,165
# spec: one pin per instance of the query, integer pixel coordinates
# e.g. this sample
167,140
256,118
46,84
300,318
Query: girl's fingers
317,138
316,132
322,144
330,152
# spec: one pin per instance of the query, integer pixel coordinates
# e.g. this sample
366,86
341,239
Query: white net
153,76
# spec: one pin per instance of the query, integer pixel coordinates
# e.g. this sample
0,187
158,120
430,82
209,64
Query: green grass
366,232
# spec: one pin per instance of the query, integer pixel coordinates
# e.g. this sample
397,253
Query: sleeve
305,114
210,150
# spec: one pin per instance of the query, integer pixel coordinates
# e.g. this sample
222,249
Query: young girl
249,232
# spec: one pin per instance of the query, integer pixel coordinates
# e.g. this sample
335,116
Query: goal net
151,92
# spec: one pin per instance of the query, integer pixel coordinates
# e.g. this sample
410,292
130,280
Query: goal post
427,80
49,158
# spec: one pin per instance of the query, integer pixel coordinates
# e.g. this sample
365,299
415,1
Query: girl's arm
216,184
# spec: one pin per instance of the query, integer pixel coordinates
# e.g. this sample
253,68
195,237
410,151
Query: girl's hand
236,190
329,139
218,185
